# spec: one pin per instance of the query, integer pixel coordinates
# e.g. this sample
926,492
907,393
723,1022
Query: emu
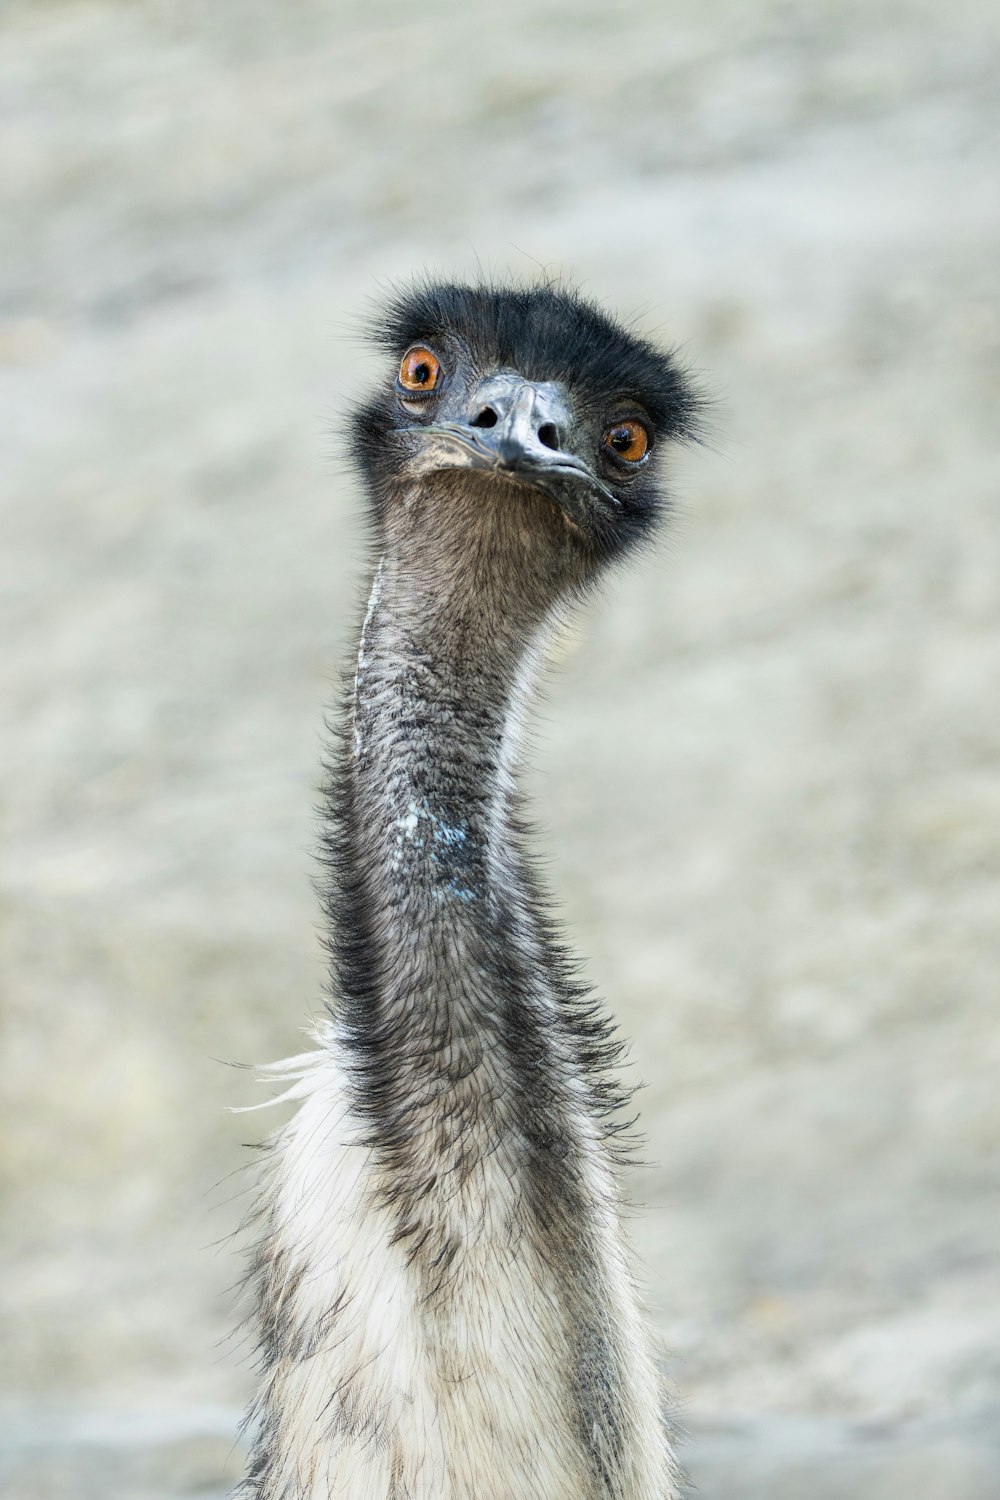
442,1288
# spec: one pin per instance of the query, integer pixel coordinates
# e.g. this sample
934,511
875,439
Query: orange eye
420,370
629,440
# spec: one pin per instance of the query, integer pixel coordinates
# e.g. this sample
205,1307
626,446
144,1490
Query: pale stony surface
767,762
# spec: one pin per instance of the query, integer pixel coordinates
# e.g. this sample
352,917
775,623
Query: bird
442,1290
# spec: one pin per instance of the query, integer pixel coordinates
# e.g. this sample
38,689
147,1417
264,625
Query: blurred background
768,761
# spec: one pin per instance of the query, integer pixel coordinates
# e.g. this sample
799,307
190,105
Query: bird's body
444,1297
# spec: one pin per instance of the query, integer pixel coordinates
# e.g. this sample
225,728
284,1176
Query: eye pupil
421,373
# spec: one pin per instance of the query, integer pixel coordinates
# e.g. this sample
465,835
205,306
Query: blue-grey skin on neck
461,603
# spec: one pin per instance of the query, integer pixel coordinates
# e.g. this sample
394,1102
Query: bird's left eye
419,370
628,440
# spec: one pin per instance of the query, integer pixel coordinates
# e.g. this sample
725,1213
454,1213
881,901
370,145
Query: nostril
486,418
549,435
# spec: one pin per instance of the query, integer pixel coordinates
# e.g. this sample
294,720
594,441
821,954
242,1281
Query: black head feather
552,338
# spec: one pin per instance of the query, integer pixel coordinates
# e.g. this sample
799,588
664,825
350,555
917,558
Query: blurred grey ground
768,764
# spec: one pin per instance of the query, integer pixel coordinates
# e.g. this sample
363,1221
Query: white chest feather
388,1385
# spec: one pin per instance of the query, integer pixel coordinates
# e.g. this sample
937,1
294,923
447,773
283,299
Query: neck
440,945
442,949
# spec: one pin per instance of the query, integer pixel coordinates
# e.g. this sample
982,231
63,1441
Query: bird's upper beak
514,428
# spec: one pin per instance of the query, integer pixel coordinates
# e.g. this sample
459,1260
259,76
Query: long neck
445,969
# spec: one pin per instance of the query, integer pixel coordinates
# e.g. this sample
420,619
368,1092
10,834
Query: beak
517,429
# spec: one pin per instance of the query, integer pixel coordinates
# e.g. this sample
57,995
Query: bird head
529,396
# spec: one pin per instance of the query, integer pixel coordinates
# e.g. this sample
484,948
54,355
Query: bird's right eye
419,370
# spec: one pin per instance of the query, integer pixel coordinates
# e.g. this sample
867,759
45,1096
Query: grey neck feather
462,597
